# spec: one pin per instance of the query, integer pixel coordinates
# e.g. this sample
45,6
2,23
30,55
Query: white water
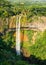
18,35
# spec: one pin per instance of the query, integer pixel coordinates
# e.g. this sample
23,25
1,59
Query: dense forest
33,42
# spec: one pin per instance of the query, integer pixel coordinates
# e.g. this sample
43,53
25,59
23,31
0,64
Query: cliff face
12,22
39,22
1,24
6,23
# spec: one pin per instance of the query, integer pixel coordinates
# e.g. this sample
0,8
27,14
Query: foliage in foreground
8,54
39,48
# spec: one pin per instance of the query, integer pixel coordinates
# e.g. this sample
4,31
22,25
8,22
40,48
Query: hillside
32,32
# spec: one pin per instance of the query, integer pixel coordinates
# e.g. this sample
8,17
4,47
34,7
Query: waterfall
18,35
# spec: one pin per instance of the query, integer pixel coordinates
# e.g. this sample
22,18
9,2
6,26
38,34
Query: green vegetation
8,55
39,49
36,51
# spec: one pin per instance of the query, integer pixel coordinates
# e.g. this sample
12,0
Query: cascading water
18,35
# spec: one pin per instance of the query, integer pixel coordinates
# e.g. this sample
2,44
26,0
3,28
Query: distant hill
27,0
